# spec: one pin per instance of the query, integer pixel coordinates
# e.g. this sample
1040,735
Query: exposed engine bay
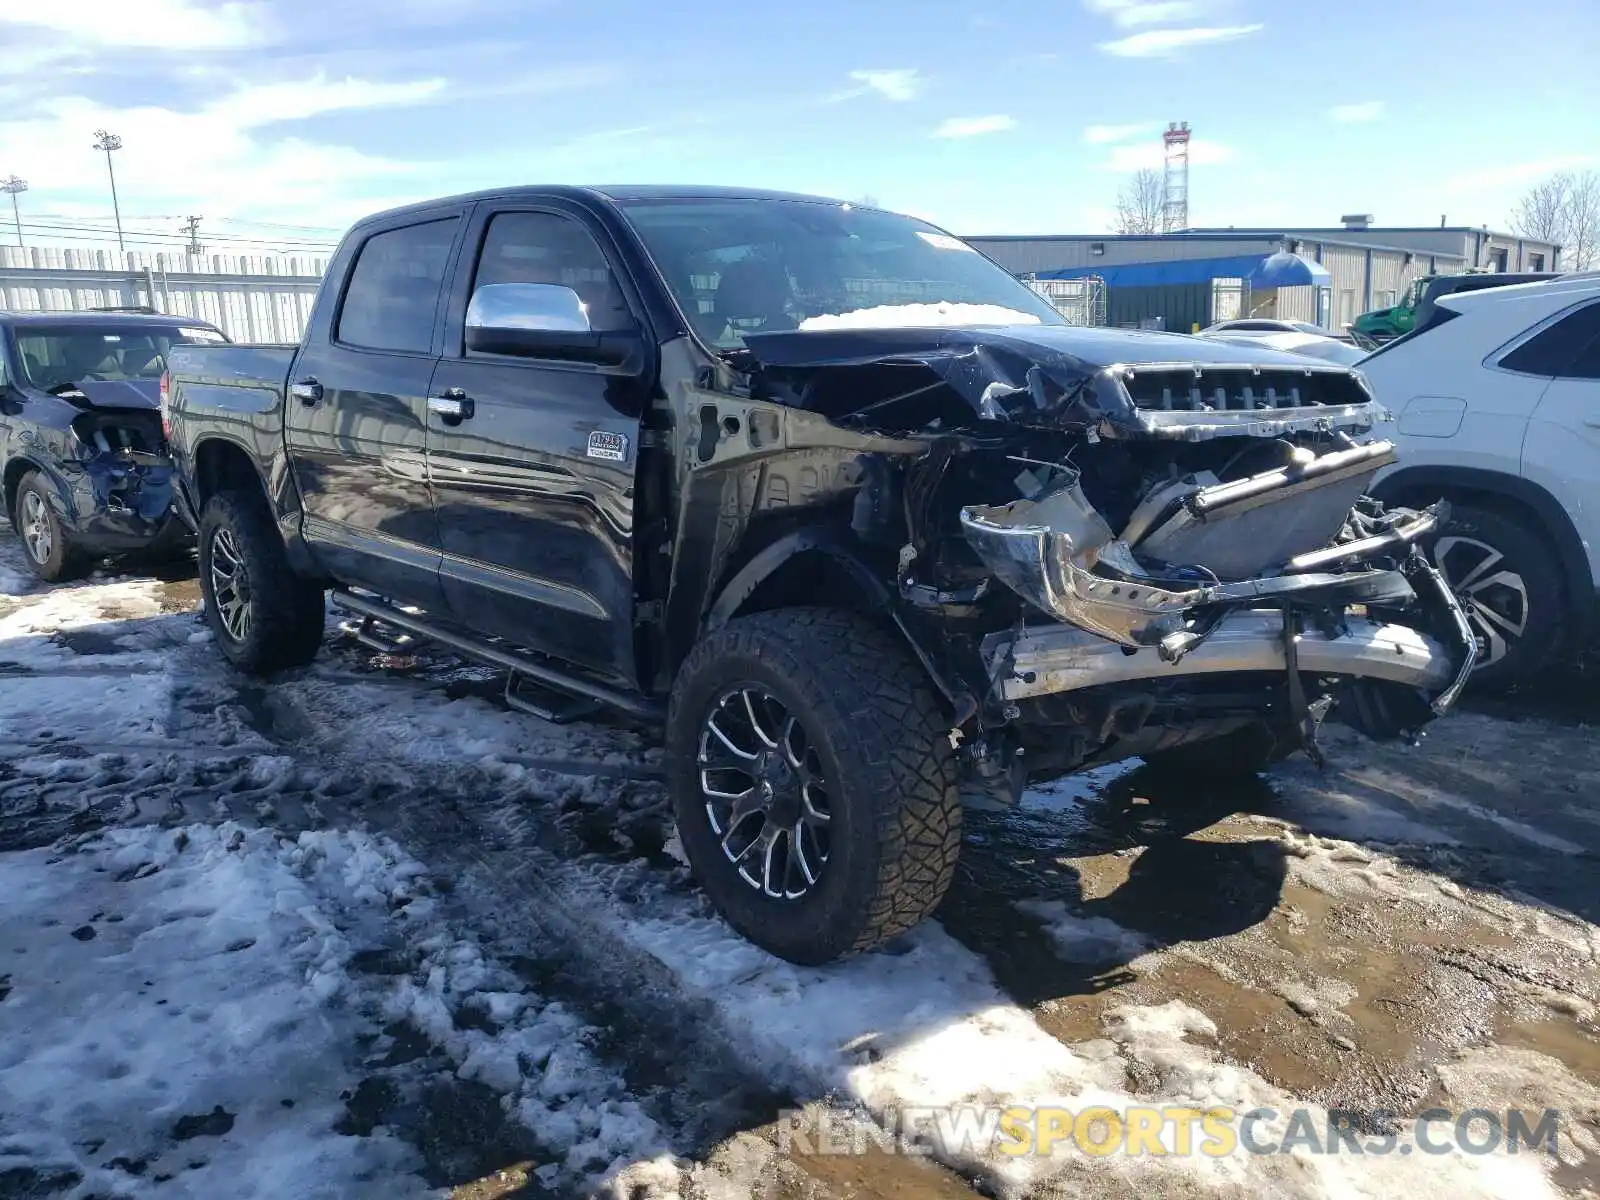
112,478
1105,559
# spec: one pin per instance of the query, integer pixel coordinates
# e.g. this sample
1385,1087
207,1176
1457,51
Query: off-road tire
1236,755
64,561
878,729
286,612
1528,553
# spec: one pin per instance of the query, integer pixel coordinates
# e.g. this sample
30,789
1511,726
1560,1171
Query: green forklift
1382,325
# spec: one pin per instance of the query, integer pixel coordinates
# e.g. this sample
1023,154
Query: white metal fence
1081,301
252,298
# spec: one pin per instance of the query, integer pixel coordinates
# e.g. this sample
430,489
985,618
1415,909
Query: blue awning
1261,271
1288,270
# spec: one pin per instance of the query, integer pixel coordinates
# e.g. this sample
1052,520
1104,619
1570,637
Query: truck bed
238,364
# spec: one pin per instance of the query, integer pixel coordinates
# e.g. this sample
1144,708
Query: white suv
1496,398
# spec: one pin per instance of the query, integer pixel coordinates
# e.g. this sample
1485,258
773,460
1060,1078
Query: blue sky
1012,116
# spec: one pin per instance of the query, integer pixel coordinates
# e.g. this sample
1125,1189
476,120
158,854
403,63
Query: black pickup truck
847,509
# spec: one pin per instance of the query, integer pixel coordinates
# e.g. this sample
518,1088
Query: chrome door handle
454,405
307,391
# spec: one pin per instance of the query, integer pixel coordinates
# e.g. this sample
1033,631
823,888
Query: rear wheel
264,617
813,781
44,539
1507,576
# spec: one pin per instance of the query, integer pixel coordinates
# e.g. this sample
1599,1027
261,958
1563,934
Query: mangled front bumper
118,502
1124,621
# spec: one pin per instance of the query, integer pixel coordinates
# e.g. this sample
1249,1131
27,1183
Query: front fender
47,466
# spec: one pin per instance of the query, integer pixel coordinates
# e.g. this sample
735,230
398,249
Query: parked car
846,508
1497,400
1381,325
82,458
1255,325
1313,345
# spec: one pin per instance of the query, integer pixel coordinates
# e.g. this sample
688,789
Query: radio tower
1175,189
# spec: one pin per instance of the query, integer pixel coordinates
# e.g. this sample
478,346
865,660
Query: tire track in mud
666,1047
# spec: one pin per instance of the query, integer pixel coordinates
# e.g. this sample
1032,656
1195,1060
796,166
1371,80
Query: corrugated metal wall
1031,255
1392,275
250,297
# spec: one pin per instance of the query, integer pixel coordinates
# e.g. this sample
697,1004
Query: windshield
753,266
56,357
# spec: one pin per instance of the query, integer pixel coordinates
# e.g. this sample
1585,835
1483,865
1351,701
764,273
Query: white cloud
1136,156
1161,43
166,24
899,83
217,160
296,100
965,127
1129,14
1104,135
1348,114
1516,173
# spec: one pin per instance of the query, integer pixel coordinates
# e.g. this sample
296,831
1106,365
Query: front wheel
264,617
44,539
1508,578
813,781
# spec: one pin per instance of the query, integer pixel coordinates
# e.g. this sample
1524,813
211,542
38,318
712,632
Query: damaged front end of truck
110,479
1106,544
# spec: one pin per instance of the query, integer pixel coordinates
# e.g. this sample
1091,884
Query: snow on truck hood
944,314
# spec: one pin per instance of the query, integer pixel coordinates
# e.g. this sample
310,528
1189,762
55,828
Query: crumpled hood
114,393
1059,345
1097,382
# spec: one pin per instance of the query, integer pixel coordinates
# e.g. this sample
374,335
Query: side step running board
365,631
575,708
521,665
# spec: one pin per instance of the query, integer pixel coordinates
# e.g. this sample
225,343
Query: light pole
16,187
109,142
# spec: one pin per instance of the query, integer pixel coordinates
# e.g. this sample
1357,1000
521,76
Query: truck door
357,411
533,481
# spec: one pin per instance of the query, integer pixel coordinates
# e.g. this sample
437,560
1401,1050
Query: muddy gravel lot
360,931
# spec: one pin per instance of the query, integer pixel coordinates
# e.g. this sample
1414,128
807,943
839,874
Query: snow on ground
1084,939
926,1026
171,1023
252,939
118,707
430,729
179,971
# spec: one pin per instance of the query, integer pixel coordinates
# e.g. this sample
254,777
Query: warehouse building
1186,280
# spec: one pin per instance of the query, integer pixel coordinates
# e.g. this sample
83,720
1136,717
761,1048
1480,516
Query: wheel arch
821,566
11,483
1511,494
793,569
222,464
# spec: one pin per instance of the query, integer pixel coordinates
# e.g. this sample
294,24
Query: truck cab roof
607,194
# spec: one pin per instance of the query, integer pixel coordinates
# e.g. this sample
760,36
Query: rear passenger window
394,288
1554,351
1587,364
526,247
